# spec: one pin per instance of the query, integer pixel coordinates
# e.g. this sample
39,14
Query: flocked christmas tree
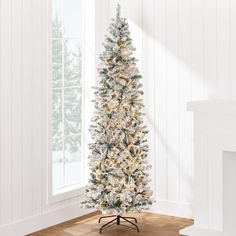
118,161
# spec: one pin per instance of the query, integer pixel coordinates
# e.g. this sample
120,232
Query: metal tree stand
117,220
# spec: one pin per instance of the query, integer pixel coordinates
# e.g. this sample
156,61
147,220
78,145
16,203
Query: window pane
73,165
57,19
66,92
57,113
72,63
72,18
72,106
56,63
58,165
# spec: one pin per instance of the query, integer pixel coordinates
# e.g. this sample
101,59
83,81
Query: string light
119,169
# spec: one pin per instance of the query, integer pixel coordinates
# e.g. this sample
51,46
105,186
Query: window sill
66,193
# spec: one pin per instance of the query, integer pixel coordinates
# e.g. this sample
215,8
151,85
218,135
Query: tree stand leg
117,220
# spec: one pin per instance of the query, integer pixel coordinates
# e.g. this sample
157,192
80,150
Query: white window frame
88,73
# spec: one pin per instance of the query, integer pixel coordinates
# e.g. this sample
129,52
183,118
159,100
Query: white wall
23,117
187,52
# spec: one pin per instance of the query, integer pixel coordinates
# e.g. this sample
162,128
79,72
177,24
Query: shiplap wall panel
6,113
196,64
16,53
172,103
223,63
45,17
160,85
37,106
223,44
232,47
209,72
0,110
27,105
185,123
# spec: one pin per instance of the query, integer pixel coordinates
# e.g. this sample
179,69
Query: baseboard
195,231
44,220
179,209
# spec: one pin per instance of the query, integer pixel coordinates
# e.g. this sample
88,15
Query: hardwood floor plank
150,224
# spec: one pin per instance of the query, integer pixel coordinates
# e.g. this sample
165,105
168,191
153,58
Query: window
67,95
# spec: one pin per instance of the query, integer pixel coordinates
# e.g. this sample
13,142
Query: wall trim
44,220
172,208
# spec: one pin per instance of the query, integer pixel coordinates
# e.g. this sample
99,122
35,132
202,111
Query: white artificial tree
118,162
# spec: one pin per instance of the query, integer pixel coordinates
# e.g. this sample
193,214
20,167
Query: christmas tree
118,161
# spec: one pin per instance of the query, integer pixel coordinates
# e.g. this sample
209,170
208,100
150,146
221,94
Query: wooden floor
150,225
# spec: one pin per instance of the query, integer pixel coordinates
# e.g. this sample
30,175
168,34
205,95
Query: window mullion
63,93
69,135
67,87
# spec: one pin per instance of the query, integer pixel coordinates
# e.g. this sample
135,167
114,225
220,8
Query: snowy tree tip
118,11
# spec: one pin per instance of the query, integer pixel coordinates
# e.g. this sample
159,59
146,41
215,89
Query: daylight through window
67,93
